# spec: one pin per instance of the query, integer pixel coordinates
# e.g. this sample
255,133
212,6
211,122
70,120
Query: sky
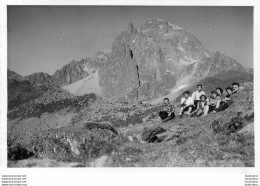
45,38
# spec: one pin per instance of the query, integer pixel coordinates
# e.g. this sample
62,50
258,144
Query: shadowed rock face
39,78
148,61
77,70
13,75
20,90
69,73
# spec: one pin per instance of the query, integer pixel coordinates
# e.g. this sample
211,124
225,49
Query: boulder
100,162
81,142
248,129
42,163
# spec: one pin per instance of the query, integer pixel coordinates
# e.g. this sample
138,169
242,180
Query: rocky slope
222,80
14,75
39,78
67,135
84,86
20,90
77,70
35,88
68,74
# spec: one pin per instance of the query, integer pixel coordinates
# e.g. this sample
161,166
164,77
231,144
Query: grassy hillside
222,139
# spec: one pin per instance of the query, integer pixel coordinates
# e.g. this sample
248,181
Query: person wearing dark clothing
227,101
167,112
235,87
228,94
220,93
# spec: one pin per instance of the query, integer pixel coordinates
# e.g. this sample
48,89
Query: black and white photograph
130,86
112,86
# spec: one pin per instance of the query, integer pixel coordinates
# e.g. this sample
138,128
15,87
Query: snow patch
86,85
179,88
172,96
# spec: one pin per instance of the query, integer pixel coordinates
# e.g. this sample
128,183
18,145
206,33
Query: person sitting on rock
214,101
167,112
196,95
228,94
220,93
187,104
202,107
227,101
236,90
236,87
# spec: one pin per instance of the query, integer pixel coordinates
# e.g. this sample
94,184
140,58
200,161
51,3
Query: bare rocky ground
58,129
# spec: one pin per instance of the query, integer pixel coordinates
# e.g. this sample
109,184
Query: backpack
149,135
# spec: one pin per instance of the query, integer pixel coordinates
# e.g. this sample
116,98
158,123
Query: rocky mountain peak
14,75
156,59
131,28
70,73
100,55
39,78
158,25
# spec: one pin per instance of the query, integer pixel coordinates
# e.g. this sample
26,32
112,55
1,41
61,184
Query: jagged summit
39,78
13,75
158,25
150,60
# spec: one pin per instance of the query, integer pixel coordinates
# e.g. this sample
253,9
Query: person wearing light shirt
196,95
214,101
187,104
202,108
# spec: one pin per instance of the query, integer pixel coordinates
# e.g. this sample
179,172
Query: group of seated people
199,104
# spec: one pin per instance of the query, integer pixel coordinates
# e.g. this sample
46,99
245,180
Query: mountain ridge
145,62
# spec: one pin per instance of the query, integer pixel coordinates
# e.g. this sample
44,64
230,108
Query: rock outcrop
39,78
20,90
79,143
14,75
77,70
150,60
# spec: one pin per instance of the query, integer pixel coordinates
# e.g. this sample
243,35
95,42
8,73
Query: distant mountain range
145,62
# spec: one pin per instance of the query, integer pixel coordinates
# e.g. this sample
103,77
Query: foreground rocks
79,143
222,139
30,163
